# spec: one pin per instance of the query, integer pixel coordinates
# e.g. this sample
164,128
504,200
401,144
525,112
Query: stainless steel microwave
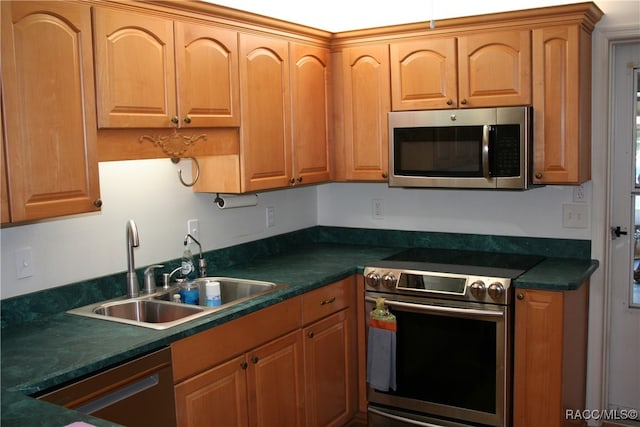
468,148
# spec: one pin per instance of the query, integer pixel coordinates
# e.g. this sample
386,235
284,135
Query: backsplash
36,305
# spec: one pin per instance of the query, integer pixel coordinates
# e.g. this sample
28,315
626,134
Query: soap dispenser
189,290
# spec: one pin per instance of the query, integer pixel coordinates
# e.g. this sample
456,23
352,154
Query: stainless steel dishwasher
138,393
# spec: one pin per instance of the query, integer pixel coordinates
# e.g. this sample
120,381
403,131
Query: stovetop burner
462,262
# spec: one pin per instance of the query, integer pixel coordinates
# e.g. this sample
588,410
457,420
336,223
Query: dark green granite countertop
51,350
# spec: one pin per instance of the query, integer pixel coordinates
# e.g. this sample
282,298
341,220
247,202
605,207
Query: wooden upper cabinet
367,102
135,69
207,75
494,69
562,105
49,100
150,76
310,113
424,74
477,70
265,142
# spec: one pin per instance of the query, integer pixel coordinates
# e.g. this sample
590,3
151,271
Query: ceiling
341,15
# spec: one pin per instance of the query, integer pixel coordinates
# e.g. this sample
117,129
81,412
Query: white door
623,375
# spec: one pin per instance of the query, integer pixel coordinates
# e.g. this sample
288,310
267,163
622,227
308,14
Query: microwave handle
486,130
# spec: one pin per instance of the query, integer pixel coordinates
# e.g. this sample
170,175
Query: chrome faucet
133,287
202,263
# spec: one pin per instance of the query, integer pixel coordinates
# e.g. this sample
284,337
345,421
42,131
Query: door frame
602,146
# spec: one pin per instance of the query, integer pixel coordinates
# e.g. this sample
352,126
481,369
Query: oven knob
373,279
496,290
478,289
389,281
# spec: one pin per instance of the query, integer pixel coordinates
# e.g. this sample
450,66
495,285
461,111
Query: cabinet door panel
495,69
47,68
265,141
330,371
207,75
217,397
366,105
424,74
310,113
276,378
561,105
135,70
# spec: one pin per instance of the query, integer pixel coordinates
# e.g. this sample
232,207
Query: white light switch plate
24,263
575,215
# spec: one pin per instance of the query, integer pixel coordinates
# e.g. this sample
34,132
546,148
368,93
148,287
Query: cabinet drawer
206,349
327,300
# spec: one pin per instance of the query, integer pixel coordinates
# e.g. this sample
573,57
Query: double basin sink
159,311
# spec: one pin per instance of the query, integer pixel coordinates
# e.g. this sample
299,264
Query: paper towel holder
176,160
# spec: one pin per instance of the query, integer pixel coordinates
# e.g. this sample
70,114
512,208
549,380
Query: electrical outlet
377,209
24,263
271,216
578,193
193,228
574,215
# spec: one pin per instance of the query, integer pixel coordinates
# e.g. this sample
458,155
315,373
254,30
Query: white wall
536,212
83,247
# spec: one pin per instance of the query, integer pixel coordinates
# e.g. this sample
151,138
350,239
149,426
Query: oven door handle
486,130
439,309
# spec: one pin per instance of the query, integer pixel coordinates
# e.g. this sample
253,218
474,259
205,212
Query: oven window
446,360
438,151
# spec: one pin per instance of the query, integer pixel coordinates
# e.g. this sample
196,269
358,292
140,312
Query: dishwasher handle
119,394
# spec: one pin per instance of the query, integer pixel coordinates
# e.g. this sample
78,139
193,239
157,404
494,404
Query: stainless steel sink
159,311
231,290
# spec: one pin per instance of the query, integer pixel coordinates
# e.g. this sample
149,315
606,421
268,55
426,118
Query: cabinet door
48,90
265,141
135,69
561,105
310,113
207,75
494,69
424,74
330,370
367,102
276,382
216,397
5,217
538,357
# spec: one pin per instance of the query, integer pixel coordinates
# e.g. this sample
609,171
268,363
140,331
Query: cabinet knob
384,175
299,179
449,101
310,334
328,301
292,181
97,203
244,365
187,119
175,120
255,359
463,102
538,175
520,296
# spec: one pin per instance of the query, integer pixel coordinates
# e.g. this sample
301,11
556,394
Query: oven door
453,363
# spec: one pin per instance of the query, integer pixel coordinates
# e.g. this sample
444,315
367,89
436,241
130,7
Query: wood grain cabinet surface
154,72
362,141
562,104
480,70
271,367
49,117
550,355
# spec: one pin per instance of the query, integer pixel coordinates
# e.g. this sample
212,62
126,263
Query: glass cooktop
462,262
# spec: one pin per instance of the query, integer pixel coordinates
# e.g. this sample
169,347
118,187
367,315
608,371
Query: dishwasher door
138,393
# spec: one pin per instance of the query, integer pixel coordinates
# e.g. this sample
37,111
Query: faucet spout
202,263
133,287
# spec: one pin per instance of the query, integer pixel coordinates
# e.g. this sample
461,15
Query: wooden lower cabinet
330,361
291,364
262,387
550,355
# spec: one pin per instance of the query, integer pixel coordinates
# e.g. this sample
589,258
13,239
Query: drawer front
327,300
